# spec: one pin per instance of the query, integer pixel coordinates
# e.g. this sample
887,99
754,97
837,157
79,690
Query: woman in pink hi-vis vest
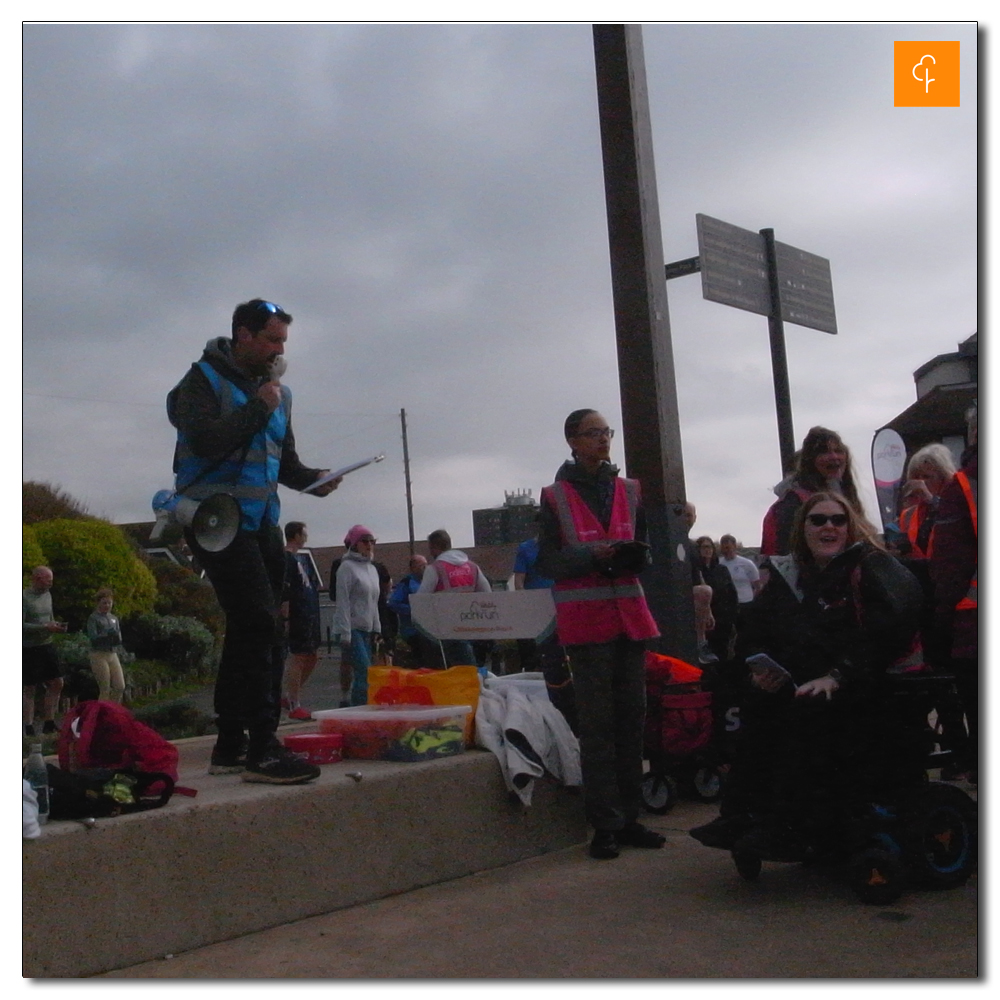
590,531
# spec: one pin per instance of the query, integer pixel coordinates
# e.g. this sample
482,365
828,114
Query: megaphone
214,521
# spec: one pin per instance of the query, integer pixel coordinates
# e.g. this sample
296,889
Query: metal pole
406,473
645,357
779,361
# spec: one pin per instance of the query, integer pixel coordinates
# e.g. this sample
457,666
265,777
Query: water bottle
38,777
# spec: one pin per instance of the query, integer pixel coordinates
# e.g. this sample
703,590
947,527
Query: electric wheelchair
894,828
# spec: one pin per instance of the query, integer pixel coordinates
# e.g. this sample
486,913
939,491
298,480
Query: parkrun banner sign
502,614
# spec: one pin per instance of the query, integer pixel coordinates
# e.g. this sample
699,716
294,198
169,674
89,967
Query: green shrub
31,553
184,643
74,650
181,592
88,555
175,719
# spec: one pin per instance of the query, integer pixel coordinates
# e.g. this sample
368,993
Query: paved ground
679,913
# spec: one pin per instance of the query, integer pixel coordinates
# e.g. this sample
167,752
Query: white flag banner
502,614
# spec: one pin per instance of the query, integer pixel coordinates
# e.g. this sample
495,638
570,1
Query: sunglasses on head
270,307
818,520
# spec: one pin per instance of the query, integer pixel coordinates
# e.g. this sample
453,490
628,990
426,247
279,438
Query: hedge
187,645
31,553
87,555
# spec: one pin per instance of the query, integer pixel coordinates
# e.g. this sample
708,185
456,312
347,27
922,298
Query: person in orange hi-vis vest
954,566
928,472
591,543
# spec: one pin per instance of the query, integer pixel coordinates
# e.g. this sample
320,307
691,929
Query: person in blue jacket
399,602
234,435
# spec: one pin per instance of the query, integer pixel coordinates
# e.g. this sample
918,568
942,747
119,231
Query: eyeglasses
596,432
818,520
270,307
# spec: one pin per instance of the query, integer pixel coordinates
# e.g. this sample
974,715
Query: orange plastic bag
671,670
454,686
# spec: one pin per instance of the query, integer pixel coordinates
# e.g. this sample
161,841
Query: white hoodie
357,596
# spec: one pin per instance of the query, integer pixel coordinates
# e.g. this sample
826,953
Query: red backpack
103,734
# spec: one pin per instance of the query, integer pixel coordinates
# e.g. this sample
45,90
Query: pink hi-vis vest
592,608
452,577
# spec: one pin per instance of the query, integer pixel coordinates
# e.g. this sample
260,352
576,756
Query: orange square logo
925,74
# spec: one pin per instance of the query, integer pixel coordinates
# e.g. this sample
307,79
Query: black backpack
100,792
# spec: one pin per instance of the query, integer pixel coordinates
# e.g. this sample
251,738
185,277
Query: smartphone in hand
767,673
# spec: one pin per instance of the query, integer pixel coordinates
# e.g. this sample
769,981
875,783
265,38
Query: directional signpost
755,272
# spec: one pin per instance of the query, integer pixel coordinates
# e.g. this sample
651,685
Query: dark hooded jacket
857,615
597,491
194,409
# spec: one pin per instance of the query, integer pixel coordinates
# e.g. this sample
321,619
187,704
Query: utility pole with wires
406,474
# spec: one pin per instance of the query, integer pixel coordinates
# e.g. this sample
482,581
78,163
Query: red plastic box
317,748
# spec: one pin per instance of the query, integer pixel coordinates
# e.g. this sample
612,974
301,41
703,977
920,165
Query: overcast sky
428,203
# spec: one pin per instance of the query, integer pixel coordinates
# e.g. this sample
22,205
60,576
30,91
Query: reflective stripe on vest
456,578
971,492
592,608
252,478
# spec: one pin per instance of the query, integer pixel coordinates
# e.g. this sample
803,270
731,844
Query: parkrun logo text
926,74
480,611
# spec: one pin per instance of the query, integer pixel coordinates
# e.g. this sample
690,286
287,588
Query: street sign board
806,289
734,272
733,266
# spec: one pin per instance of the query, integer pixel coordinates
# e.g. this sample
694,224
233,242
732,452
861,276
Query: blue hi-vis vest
252,479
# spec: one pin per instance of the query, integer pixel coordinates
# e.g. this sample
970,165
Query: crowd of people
832,606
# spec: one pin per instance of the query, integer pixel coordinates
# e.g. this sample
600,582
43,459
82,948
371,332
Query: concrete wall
242,857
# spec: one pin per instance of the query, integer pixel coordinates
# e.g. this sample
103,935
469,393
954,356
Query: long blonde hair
858,529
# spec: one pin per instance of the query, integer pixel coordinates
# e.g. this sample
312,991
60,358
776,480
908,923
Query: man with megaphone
234,439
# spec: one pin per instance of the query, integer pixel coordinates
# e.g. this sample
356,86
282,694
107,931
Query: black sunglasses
270,307
818,520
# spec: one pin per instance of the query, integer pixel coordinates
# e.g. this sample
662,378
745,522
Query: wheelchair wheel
939,837
706,782
877,877
748,865
659,793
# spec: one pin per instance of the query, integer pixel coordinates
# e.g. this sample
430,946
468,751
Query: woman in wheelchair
832,618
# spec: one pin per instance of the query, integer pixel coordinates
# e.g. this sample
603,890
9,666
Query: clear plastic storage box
397,732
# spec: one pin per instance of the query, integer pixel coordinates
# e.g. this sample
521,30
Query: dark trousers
248,578
458,653
966,672
609,684
802,761
549,658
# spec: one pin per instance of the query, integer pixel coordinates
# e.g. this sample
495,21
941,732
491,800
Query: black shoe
228,757
771,843
604,845
279,766
29,730
637,835
227,763
50,727
722,832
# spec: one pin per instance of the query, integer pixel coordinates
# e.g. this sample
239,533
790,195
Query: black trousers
248,578
609,683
